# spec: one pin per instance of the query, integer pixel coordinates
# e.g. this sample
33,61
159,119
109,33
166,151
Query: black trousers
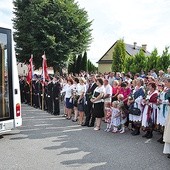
56,106
90,119
36,100
22,96
27,97
50,104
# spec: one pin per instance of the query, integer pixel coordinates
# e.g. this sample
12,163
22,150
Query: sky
144,22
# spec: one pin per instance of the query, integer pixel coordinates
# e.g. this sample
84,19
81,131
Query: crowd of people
139,103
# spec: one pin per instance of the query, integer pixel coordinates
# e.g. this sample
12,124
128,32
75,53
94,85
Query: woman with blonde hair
115,90
81,89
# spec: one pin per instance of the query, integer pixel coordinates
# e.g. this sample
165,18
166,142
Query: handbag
135,111
96,94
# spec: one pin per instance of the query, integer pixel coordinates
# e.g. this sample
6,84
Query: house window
23,71
21,65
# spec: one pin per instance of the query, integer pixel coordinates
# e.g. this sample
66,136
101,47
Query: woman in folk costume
150,110
162,110
166,136
135,102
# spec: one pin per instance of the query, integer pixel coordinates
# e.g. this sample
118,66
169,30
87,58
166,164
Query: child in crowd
115,120
108,109
123,113
123,116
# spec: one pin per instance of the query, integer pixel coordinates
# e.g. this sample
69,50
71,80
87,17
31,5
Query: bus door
6,86
4,81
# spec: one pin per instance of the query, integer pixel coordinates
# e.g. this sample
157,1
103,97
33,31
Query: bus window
4,84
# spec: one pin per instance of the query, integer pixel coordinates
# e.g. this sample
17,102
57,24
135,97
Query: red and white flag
45,75
30,70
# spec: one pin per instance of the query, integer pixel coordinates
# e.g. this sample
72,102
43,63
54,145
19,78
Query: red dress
126,92
115,90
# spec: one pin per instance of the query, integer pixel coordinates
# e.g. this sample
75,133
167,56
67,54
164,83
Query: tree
159,65
84,62
128,63
91,67
119,55
72,64
139,62
60,28
165,59
152,60
78,64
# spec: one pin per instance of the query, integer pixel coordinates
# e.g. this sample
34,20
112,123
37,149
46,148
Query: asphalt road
48,142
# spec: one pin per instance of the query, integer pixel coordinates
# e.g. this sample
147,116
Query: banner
45,75
30,70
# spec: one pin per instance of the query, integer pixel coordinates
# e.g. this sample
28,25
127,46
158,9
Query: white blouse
81,88
69,90
99,90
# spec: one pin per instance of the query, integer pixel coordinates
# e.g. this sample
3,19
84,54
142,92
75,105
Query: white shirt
81,88
128,80
99,90
69,90
75,89
108,90
111,80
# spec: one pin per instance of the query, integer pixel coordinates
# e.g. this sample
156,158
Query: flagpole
43,96
31,92
31,78
43,84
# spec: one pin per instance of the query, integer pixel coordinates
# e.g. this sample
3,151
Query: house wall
22,69
102,68
109,55
105,67
39,71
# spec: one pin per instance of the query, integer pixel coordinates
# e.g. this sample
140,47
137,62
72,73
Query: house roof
129,49
105,61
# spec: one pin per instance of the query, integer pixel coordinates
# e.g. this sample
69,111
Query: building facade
105,62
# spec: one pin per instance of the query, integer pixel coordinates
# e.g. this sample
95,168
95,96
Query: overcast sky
144,22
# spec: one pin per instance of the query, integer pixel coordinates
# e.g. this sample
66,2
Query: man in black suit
36,93
27,92
56,95
22,85
50,97
46,95
90,119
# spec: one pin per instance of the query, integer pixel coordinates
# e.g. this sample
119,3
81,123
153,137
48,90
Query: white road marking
72,130
29,130
43,125
148,141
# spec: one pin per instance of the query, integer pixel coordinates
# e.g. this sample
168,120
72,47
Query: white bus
10,102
